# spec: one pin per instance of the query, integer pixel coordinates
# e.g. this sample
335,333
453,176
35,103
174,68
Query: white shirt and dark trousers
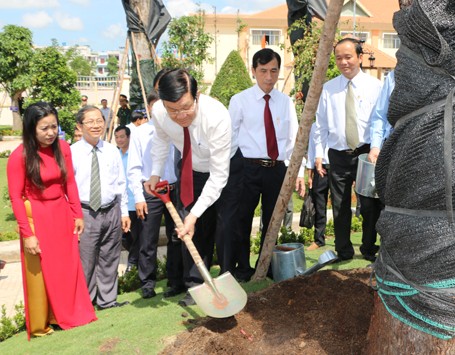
100,243
139,170
217,167
331,133
263,176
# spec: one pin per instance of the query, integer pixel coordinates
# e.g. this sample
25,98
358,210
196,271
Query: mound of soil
326,313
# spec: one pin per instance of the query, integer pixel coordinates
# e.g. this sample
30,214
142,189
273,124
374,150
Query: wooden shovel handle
162,192
188,241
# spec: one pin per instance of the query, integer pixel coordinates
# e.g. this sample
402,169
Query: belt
103,208
357,151
266,163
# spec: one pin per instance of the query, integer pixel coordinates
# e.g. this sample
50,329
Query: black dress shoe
113,305
148,293
339,259
174,291
187,301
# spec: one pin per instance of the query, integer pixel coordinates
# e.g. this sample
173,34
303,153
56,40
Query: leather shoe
187,301
148,293
174,291
313,246
339,259
113,305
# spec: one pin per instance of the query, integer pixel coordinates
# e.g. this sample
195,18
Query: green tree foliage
81,65
16,53
112,66
54,81
305,50
188,45
232,78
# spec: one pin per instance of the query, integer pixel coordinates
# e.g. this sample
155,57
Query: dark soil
326,313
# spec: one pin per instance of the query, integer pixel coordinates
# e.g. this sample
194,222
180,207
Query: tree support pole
300,148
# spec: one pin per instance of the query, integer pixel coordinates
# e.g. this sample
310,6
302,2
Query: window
362,35
272,37
391,40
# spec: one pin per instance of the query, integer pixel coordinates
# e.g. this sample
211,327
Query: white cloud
179,8
114,31
40,19
28,4
81,2
69,23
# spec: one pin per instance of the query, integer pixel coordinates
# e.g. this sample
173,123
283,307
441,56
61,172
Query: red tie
272,146
186,177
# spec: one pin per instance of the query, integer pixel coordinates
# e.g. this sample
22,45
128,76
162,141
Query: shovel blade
232,301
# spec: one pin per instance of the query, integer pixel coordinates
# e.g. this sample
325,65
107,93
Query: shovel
221,297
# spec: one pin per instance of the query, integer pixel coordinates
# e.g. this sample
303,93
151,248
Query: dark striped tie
95,183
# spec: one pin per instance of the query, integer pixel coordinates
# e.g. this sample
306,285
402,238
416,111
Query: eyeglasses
93,123
175,113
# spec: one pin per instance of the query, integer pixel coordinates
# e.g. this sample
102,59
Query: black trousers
259,183
132,239
343,171
148,245
320,194
227,207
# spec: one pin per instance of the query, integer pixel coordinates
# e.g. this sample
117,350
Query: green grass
7,220
145,326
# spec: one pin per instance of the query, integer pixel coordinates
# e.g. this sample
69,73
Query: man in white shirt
216,168
331,132
105,213
150,210
264,165
107,113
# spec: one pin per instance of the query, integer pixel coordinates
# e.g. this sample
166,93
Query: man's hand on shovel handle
188,226
150,184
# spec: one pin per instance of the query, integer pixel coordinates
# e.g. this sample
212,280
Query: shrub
5,154
231,79
10,326
129,281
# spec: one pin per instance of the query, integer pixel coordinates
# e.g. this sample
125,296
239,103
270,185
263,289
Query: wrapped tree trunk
387,335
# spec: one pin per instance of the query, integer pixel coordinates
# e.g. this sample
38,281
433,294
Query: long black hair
32,115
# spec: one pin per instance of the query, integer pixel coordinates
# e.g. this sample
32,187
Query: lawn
145,326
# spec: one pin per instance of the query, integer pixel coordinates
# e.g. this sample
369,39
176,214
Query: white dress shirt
247,111
113,182
331,115
380,128
139,161
312,152
210,134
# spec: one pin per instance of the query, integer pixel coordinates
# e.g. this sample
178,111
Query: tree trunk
387,335
17,119
301,144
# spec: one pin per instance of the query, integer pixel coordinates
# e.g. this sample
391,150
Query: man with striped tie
102,190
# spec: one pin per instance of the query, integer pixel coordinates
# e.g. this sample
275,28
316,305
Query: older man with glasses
210,170
101,182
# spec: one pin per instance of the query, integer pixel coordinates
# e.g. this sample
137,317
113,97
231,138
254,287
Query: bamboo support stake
300,148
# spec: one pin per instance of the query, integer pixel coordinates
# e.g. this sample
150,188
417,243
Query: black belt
103,208
357,151
266,163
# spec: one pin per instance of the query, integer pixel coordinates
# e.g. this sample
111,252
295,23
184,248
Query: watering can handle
162,192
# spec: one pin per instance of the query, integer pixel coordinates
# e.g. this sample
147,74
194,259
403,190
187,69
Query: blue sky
100,24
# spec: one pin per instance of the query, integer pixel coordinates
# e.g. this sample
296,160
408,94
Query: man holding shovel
200,128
